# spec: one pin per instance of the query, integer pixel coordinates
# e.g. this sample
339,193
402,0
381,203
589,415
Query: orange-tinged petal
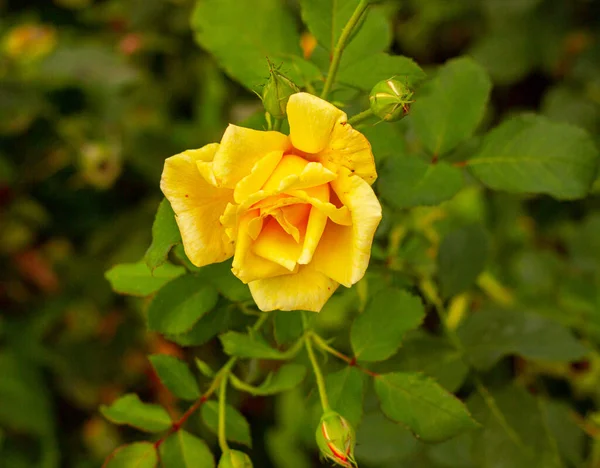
276,245
344,251
248,266
197,206
312,121
261,172
241,148
305,290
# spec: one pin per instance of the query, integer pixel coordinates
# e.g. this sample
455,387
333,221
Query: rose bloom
297,212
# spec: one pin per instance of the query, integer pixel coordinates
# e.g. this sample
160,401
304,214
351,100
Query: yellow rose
297,212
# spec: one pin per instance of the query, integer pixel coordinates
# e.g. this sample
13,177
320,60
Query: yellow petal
241,148
343,252
261,172
197,206
311,121
248,266
317,220
350,149
305,290
276,245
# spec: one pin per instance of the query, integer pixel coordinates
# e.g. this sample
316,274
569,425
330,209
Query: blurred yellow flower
29,42
297,212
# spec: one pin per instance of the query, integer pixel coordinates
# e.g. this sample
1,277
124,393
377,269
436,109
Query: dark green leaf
180,304
288,326
184,450
214,322
377,333
236,426
491,334
346,389
423,406
531,154
409,181
136,455
137,280
242,34
130,410
449,108
176,376
366,72
286,378
165,234
248,346
461,258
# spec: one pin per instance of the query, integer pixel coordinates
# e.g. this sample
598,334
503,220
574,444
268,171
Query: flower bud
235,459
335,438
390,100
277,92
100,164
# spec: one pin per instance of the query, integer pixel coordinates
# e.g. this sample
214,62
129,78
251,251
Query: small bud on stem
335,438
390,100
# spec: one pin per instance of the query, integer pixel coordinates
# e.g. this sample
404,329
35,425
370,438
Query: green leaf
530,154
448,109
180,304
165,235
461,258
346,391
376,334
204,368
288,326
214,322
286,378
491,334
236,426
409,181
136,455
423,406
130,410
176,376
242,33
248,346
136,279
366,72
224,281
184,450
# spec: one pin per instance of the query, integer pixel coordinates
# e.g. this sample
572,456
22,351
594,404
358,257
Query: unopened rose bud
390,100
277,92
235,459
100,164
335,438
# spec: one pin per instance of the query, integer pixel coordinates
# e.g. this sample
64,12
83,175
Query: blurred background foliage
95,94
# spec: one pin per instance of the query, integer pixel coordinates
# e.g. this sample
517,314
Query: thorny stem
315,366
221,375
359,118
341,44
221,428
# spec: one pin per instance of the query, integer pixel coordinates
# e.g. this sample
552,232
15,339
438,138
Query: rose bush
297,212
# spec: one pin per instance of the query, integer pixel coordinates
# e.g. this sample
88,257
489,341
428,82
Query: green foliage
136,455
128,409
176,376
137,280
237,428
286,378
185,450
248,346
377,333
165,235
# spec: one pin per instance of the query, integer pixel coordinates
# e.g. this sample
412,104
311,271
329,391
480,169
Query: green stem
222,421
341,44
315,365
359,118
277,124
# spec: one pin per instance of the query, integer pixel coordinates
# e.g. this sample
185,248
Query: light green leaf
165,235
376,334
423,406
531,154
242,33
461,258
204,368
184,450
448,109
180,304
236,426
176,376
136,455
491,334
248,346
346,391
136,279
369,70
406,182
286,378
130,410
